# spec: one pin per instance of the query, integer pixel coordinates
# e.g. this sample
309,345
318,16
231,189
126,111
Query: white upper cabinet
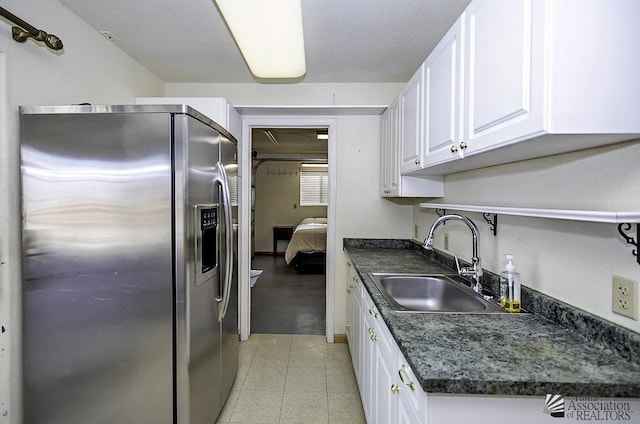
443,98
392,183
411,119
504,73
519,79
389,163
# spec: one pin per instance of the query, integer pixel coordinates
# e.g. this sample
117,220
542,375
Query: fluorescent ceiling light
322,136
271,137
269,35
315,165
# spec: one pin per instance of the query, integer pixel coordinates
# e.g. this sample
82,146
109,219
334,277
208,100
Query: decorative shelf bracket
622,229
493,222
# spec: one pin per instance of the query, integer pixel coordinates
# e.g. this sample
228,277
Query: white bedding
309,235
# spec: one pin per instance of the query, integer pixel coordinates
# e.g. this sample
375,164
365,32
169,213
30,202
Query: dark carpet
285,301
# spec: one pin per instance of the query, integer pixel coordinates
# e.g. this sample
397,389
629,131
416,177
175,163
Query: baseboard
339,338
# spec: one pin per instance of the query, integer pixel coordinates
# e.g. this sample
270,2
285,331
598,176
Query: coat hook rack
622,229
23,31
441,213
493,222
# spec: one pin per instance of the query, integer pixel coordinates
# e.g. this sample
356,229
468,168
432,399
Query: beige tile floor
293,379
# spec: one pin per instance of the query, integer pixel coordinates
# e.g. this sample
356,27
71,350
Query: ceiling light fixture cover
269,35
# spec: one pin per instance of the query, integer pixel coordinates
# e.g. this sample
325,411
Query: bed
307,248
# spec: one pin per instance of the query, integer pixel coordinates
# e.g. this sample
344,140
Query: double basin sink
432,293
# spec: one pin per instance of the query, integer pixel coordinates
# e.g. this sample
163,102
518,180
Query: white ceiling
345,40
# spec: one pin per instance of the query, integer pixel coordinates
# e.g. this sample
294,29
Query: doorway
281,127
289,200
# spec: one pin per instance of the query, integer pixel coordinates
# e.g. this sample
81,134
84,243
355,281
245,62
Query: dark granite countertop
502,354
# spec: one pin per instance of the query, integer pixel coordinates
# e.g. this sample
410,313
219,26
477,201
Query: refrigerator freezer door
98,287
199,375
228,156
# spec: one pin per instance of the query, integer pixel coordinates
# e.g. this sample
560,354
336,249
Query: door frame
244,248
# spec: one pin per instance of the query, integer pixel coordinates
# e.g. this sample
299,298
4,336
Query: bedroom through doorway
289,201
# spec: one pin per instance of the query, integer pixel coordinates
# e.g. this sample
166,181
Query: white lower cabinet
354,320
390,392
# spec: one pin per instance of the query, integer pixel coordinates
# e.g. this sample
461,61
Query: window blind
314,188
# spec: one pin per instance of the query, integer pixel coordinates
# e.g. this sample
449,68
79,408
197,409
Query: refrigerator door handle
228,241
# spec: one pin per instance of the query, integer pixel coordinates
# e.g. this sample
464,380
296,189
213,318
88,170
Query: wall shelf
568,214
624,220
306,110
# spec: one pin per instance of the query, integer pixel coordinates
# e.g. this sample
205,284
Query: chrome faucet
475,270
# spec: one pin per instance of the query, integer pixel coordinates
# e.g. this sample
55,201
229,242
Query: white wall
571,261
292,94
277,198
90,69
361,212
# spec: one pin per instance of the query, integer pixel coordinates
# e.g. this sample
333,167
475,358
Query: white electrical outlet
625,297
416,229
446,241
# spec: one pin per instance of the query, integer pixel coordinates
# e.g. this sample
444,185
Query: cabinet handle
404,377
454,148
348,328
463,145
349,289
394,389
417,161
373,312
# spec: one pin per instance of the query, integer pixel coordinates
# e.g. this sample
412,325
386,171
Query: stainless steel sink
432,294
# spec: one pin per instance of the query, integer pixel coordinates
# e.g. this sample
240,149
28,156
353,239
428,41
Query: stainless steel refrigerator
130,271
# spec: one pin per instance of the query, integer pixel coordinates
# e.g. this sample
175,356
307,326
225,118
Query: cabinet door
386,395
349,315
354,318
394,148
412,401
443,98
369,374
378,399
356,329
411,124
389,154
503,72
384,153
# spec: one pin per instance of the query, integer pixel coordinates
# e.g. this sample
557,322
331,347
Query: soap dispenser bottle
510,287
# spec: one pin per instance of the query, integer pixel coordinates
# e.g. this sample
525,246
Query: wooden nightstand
281,232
